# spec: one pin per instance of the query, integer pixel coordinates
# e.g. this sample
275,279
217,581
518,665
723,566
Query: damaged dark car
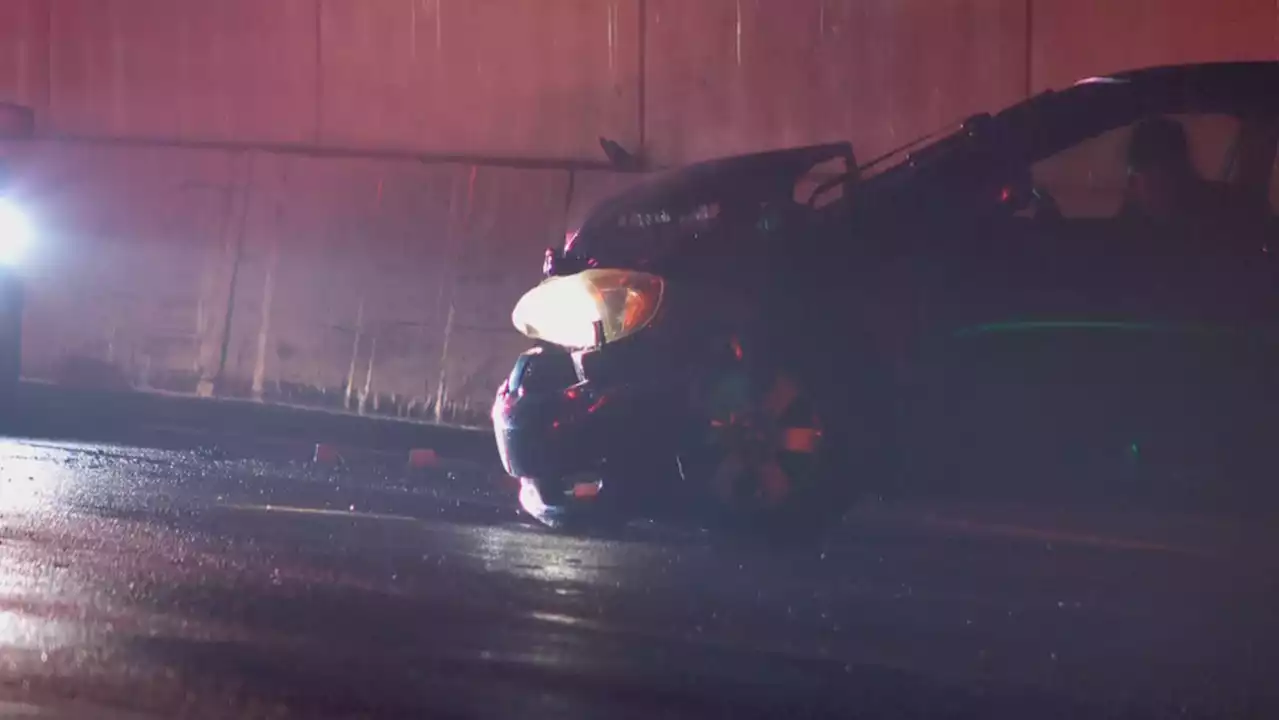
1063,296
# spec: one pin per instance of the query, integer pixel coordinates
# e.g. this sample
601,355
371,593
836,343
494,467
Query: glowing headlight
589,308
15,233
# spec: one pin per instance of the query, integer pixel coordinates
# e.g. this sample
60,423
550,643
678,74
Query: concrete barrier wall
368,284
193,70
728,77
498,79
201,236
118,285
520,79
1071,39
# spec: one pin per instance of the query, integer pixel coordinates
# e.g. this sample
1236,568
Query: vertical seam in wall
242,229
640,71
1028,57
319,78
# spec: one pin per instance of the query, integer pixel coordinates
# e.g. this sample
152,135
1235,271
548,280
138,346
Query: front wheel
770,454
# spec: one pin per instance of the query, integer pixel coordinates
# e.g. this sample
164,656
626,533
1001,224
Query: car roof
1202,81
1031,129
1059,118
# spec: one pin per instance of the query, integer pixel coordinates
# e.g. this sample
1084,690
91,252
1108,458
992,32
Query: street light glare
15,233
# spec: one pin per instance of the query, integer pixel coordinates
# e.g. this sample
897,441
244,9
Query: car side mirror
556,262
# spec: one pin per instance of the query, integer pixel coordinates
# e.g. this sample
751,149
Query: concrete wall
364,283
268,199
498,79
727,77
545,78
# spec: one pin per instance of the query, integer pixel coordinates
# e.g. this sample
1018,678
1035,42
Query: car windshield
901,153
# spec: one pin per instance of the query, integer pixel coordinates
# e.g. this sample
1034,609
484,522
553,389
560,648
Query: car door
1076,343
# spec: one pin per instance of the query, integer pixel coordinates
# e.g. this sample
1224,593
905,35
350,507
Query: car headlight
15,233
589,308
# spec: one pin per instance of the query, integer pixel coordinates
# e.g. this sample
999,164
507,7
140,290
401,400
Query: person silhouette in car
1163,182
1165,190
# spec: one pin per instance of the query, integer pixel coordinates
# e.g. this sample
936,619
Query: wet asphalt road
169,583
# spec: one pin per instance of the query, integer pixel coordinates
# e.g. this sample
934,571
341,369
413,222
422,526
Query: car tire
771,454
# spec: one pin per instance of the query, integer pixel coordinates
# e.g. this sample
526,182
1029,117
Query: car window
1089,180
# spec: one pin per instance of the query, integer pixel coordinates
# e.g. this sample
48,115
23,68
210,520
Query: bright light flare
15,233
566,310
